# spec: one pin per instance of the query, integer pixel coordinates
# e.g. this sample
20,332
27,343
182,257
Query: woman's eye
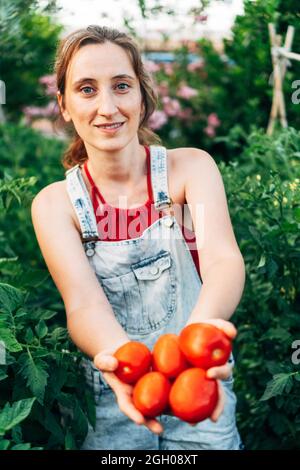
89,88
121,84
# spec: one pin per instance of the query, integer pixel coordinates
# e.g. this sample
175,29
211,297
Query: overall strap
159,177
81,202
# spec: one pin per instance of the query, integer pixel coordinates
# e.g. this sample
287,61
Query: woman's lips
110,130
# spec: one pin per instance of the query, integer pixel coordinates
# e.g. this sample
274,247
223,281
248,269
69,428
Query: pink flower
168,69
157,119
200,18
210,131
171,106
151,66
195,65
213,120
49,81
163,88
186,92
51,110
185,113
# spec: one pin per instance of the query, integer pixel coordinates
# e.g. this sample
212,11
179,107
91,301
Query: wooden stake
280,56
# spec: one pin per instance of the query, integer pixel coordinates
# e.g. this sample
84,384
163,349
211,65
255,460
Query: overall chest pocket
144,299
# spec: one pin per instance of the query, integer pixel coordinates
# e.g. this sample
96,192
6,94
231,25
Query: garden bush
263,189
39,369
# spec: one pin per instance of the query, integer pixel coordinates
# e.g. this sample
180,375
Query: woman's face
102,88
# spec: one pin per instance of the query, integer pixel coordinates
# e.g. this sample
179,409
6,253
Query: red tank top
115,224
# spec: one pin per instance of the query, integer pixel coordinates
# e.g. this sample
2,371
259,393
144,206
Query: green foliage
236,85
243,89
11,416
28,38
263,190
44,401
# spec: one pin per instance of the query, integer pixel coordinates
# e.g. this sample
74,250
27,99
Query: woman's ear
64,112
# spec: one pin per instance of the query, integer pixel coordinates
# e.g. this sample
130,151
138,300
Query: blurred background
212,66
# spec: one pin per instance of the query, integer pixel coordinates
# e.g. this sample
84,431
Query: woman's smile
110,128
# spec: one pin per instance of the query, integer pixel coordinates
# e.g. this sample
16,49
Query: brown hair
76,152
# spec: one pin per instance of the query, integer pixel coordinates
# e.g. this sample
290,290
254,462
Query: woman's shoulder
51,192
184,154
181,164
186,160
55,197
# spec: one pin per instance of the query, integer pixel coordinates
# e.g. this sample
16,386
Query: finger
116,384
106,362
128,408
220,405
224,325
154,426
220,372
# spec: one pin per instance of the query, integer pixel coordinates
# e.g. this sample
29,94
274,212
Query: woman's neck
124,166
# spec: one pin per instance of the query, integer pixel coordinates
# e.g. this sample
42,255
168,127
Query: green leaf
29,336
42,314
90,407
10,416
34,372
58,334
4,444
262,261
41,329
3,375
10,341
4,261
70,443
297,214
53,426
255,234
272,268
23,446
32,278
277,334
10,298
276,386
16,434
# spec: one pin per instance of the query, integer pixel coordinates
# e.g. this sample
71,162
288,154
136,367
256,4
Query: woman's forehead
100,60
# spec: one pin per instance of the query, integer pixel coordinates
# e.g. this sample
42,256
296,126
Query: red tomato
204,345
151,394
167,356
134,361
193,397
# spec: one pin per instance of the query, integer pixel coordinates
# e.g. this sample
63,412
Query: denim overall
152,285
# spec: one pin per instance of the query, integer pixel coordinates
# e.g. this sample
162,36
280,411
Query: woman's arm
221,262
90,319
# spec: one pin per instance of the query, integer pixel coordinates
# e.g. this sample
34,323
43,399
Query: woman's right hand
107,363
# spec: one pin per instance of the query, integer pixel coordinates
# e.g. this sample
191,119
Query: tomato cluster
172,379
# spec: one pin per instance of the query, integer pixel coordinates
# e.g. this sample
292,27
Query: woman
128,269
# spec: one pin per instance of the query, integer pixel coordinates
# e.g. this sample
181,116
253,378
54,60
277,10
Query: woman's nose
106,103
